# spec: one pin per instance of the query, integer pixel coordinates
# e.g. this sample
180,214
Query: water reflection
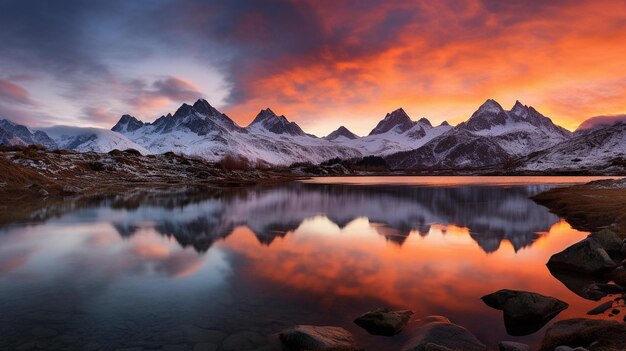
491,214
152,269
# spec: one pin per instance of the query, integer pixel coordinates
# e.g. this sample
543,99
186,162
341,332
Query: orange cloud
565,60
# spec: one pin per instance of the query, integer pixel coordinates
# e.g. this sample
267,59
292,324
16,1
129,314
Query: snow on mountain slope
7,138
396,132
599,147
519,131
90,139
268,121
17,134
341,133
456,148
203,131
599,122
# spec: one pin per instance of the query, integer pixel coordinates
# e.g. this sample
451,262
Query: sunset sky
320,63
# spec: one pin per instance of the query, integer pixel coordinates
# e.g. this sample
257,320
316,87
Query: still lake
224,270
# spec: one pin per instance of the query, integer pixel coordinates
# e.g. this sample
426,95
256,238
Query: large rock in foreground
586,256
383,321
436,333
592,334
314,338
609,240
524,312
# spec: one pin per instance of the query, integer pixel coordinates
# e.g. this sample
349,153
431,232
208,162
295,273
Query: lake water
226,270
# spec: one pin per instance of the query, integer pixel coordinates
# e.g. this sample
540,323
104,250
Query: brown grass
587,208
234,163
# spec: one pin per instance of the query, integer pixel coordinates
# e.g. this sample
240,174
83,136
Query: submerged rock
437,333
593,334
524,312
610,241
582,285
603,307
586,256
512,346
314,338
383,321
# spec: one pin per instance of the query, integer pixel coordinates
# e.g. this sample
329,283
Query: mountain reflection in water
153,269
491,214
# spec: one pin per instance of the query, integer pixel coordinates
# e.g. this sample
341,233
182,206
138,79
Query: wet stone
317,338
603,307
512,346
524,312
383,321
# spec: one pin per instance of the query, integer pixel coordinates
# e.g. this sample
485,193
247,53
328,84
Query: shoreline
589,207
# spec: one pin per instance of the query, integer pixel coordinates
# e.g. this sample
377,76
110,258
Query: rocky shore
594,269
35,173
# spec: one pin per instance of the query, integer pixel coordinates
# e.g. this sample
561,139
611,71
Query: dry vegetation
32,172
588,207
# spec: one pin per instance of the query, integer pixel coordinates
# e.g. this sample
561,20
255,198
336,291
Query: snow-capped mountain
519,131
203,131
90,139
341,132
396,132
268,121
457,148
15,134
594,148
491,136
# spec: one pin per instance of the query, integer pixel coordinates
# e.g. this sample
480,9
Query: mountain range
492,136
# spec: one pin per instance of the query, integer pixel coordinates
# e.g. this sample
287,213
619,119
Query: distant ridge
490,137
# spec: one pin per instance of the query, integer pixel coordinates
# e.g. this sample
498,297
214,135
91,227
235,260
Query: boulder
567,348
610,241
593,334
611,289
583,285
603,307
586,256
436,333
383,321
512,346
314,338
524,312
70,190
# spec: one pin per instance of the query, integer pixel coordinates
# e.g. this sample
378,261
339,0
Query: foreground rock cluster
593,268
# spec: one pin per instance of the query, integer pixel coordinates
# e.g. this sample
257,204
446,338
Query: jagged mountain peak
489,106
202,106
127,123
425,122
268,120
444,124
264,115
17,134
341,132
397,120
